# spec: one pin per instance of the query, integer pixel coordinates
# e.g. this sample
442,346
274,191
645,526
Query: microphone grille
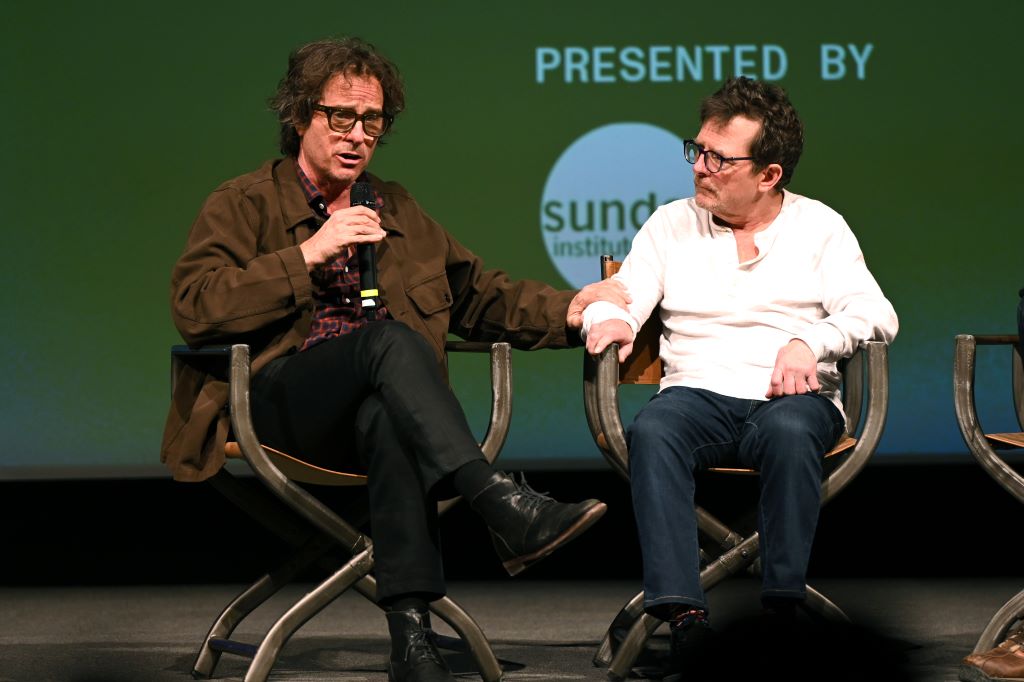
362,195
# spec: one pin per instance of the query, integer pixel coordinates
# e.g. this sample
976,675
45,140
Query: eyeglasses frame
329,113
712,154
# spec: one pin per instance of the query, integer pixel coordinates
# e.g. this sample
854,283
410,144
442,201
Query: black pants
375,399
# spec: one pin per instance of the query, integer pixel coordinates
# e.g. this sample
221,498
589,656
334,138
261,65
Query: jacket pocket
431,295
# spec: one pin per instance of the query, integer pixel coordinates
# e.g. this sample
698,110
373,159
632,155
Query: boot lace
422,643
531,499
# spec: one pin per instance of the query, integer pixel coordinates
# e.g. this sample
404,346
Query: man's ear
770,176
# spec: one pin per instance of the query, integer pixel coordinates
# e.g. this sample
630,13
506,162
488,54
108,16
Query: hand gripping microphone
362,195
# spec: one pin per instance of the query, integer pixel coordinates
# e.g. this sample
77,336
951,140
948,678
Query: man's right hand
346,227
603,334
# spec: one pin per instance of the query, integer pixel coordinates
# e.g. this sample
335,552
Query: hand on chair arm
610,290
602,330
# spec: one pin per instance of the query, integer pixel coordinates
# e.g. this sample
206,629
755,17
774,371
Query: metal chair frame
983,447
318,530
732,552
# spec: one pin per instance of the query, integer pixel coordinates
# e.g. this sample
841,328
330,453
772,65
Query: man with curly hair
761,291
271,261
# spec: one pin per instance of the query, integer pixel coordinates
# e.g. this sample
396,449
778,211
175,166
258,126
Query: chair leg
303,610
823,606
251,598
460,621
631,646
472,638
230,617
996,629
622,622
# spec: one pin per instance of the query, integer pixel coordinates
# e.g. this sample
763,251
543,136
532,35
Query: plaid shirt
336,283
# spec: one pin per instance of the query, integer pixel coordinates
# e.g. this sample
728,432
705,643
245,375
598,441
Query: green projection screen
539,134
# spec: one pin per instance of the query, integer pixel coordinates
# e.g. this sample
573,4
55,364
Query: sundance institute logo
601,191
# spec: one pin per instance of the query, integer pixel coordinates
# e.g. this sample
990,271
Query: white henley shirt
725,321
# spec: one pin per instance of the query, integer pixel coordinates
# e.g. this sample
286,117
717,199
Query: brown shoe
1004,663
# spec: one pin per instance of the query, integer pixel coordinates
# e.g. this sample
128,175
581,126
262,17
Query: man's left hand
610,290
796,371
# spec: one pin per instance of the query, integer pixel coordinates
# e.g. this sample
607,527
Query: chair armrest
1012,340
869,366
501,391
296,497
188,352
964,358
601,405
232,364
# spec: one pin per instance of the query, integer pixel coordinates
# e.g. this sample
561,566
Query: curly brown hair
309,69
781,139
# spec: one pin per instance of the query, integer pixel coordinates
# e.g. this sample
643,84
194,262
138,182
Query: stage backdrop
540,134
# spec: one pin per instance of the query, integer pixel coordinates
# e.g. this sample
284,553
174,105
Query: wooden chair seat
299,470
1015,440
845,443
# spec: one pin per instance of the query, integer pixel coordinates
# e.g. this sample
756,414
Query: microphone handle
368,293
362,195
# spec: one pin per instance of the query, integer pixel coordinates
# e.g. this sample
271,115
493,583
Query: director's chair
983,446
299,517
724,551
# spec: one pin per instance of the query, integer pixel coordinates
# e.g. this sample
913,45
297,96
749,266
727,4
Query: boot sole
969,673
518,564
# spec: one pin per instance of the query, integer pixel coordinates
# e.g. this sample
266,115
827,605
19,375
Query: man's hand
610,290
603,334
346,227
796,371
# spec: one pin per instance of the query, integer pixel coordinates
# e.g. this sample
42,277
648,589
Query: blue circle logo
601,191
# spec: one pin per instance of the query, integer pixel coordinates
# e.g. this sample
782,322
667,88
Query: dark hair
781,139
309,69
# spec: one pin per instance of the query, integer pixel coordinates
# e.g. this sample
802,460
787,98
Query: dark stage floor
541,630
116,580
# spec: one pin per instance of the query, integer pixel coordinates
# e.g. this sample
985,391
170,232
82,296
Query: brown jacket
242,279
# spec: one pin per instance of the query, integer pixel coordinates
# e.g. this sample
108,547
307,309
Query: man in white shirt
761,291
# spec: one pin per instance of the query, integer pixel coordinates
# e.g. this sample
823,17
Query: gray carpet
905,629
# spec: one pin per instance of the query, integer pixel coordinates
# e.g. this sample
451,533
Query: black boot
414,654
526,525
690,647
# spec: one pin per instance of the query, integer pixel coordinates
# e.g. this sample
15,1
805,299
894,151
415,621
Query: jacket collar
294,208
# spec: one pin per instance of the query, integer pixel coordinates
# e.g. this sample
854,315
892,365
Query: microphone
362,194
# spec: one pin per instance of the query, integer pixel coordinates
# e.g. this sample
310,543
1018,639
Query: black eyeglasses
341,120
713,161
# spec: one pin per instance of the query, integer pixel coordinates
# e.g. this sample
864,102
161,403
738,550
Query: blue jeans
682,430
